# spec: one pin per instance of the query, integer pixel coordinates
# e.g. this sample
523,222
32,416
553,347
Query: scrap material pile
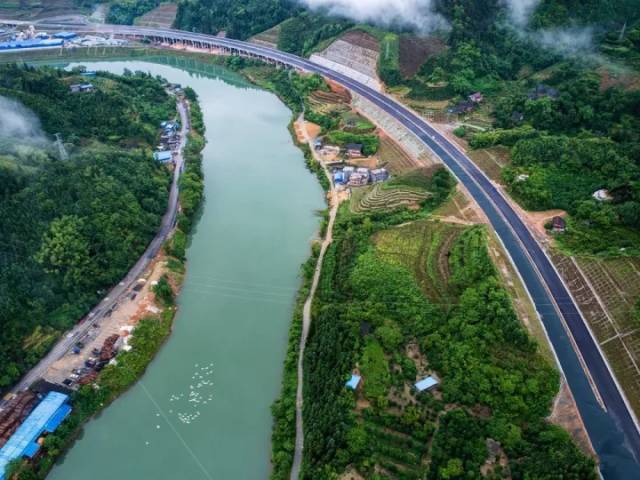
88,378
14,414
109,348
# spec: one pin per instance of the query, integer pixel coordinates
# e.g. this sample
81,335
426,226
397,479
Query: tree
65,251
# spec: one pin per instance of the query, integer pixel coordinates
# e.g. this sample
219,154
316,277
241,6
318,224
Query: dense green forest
126,11
238,18
70,228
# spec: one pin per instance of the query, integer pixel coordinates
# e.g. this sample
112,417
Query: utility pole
624,29
61,150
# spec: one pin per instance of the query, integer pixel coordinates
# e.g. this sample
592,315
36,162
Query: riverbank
152,323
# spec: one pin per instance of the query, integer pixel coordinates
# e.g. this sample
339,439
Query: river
201,411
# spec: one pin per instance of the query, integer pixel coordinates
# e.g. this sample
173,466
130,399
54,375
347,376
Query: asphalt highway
614,432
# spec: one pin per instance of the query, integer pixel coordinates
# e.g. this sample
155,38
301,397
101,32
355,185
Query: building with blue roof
426,383
163,157
29,44
353,382
45,418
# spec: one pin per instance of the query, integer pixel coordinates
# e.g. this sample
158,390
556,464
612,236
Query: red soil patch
361,39
339,90
414,51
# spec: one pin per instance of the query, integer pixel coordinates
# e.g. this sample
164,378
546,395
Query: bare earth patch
565,414
414,51
127,314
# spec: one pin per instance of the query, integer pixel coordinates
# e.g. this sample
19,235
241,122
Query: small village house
476,97
602,195
353,382
426,383
358,179
558,224
354,150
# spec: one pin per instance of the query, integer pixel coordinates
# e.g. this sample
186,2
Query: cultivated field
393,157
162,16
423,247
329,102
34,9
381,197
268,38
414,51
616,284
491,160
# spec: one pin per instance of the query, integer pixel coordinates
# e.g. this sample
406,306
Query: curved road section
614,432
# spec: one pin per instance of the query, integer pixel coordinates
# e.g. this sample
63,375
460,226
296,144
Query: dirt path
306,314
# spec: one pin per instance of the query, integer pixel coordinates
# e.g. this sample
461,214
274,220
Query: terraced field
34,9
328,102
268,38
162,16
381,197
424,247
616,282
393,157
398,452
491,160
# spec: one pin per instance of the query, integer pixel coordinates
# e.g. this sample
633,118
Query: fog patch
19,125
419,15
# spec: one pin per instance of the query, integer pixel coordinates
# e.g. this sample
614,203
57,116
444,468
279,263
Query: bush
459,131
164,291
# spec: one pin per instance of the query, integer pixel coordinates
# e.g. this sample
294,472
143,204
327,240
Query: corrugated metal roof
46,417
162,156
353,382
426,383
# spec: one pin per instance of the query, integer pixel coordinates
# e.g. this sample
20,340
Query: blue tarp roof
426,383
46,417
353,382
65,35
36,43
162,156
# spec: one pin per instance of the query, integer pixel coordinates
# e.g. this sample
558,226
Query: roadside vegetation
71,228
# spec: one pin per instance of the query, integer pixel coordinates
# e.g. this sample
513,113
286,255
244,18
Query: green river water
201,411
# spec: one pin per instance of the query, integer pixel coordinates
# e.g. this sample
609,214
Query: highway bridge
614,431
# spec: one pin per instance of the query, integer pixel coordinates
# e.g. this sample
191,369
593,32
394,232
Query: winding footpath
306,317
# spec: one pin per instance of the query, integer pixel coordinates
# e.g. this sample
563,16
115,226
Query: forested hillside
70,228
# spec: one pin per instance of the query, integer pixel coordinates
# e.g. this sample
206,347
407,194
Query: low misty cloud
520,11
567,41
417,14
19,125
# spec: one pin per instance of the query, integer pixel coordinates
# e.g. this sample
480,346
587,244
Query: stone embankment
395,130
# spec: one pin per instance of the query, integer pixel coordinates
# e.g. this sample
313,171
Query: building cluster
27,435
358,177
351,150
31,39
81,88
169,141
467,105
423,385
